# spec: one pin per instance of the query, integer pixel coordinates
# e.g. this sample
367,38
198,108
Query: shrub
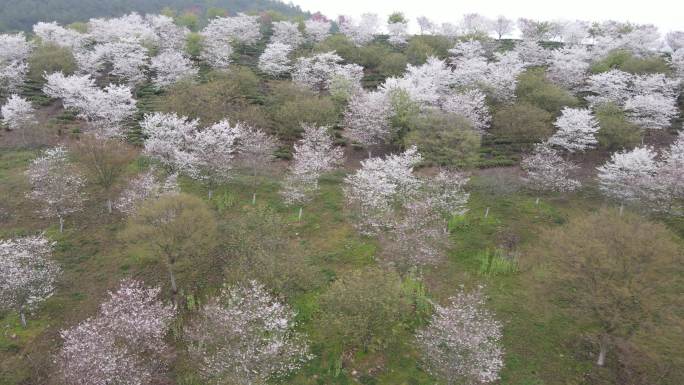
626,61
50,58
522,122
534,88
444,139
616,132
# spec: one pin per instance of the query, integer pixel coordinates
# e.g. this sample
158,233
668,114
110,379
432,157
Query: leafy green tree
174,228
228,94
288,106
188,19
625,60
193,44
396,17
616,132
420,47
534,88
49,58
363,309
617,271
522,123
444,139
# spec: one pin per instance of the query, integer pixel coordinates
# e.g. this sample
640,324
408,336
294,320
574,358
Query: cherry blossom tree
573,32
170,67
416,238
27,275
143,187
426,25
670,178
502,26
317,30
131,26
471,105
314,154
611,86
446,193
675,40
367,118
126,59
531,53
240,29
274,60
106,109
319,71
170,140
287,32
53,33
462,343
425,84
169,36
398,33
56,185
629,177
123,343
677,61
577,130
476,24
17,113
214,148
651,111
14,53
379,186
569,67
245,336
255,151
362,32
546,170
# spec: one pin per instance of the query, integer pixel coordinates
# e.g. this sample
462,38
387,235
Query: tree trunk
622,208
211,193
486,212
109,206
370,153
174,288
536,202
300,214
253,199
22,317
603,349
61,224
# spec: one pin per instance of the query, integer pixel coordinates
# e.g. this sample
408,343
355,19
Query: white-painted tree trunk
174,288
300,214
253,199
22,317
61,224
109,206
486,212
603,350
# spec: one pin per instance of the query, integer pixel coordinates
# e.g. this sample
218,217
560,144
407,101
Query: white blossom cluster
245,336
367,118
209,153
17,113
314,155
143,187
640,176
319,71
170,67
362,31
14,54
55,184
546,170
649,100
122,344
577,129
462,343
106,109
27,274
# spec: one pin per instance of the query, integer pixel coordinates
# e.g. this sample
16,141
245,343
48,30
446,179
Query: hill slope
15,16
